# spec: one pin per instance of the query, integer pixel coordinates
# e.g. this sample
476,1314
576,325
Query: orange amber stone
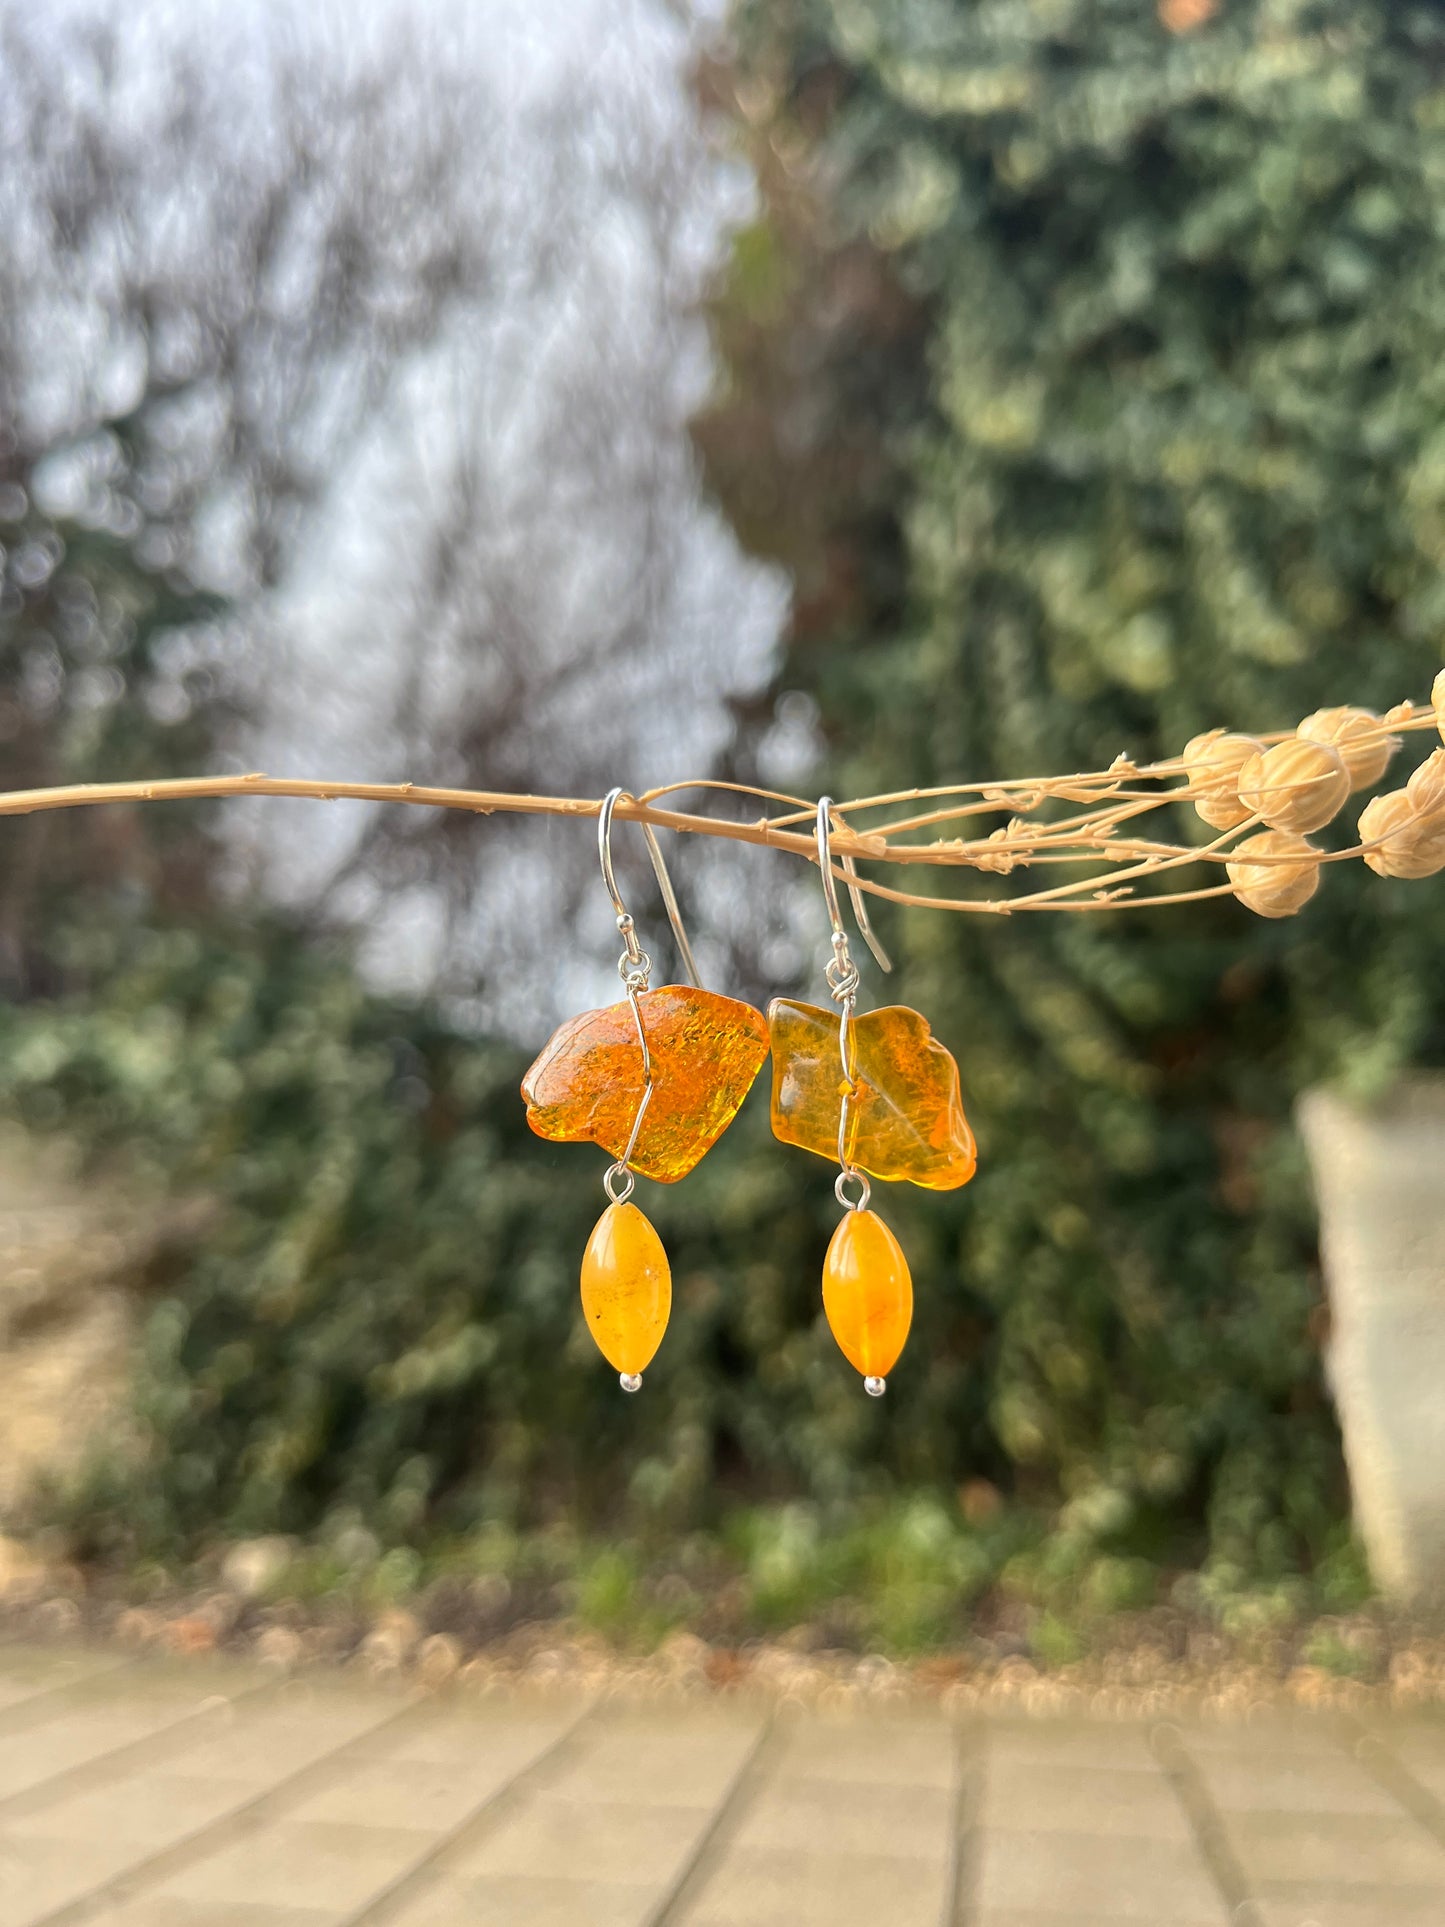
905,1118
587,1083
867,1293
626,1288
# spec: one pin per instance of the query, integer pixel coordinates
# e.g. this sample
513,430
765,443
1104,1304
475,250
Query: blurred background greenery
1082,369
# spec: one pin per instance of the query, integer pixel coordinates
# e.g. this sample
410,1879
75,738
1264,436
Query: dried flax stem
1254,793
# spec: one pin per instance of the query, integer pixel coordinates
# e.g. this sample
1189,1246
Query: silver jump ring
852,1175
617,1182
842,980
635,971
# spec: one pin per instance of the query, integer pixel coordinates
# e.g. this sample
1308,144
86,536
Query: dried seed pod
1426,788
1277,888
1411,839
1358,735
1296,785
1212,763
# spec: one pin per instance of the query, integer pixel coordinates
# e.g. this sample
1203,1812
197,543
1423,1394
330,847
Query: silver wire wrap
842,978
634,967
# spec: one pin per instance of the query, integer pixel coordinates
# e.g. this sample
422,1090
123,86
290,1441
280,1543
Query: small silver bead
632,1381
875,1387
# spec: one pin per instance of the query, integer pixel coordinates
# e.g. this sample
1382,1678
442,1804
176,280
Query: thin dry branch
1087,836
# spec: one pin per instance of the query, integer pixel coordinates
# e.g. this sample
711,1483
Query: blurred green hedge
380,1322
1088,371
1090,377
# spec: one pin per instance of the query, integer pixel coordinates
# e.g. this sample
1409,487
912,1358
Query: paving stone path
202,1794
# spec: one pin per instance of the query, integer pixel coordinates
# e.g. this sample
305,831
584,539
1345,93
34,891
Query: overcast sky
515,550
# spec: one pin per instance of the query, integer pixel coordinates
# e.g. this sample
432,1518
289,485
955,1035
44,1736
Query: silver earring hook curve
664,884
866,931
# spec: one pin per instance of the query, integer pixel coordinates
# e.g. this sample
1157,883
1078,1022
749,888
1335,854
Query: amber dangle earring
880,1094
655,1081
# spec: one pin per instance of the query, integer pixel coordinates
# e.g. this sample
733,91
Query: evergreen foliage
378,1319
1170,457
106,667
1112,356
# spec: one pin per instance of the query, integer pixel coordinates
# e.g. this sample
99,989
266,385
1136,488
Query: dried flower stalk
1236,785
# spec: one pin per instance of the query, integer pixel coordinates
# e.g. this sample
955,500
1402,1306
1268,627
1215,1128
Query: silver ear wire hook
664,884
670,904
860,915
850,877
634,967
842,977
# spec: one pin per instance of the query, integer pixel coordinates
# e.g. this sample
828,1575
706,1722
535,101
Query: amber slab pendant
587,1083
867,1295
626,1290
905,1118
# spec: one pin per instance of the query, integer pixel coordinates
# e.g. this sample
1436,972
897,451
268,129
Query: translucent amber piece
867,1293
587,1083
905,1119
626,1288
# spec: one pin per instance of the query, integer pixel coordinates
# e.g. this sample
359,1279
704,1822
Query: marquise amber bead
626,1288
867,1293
